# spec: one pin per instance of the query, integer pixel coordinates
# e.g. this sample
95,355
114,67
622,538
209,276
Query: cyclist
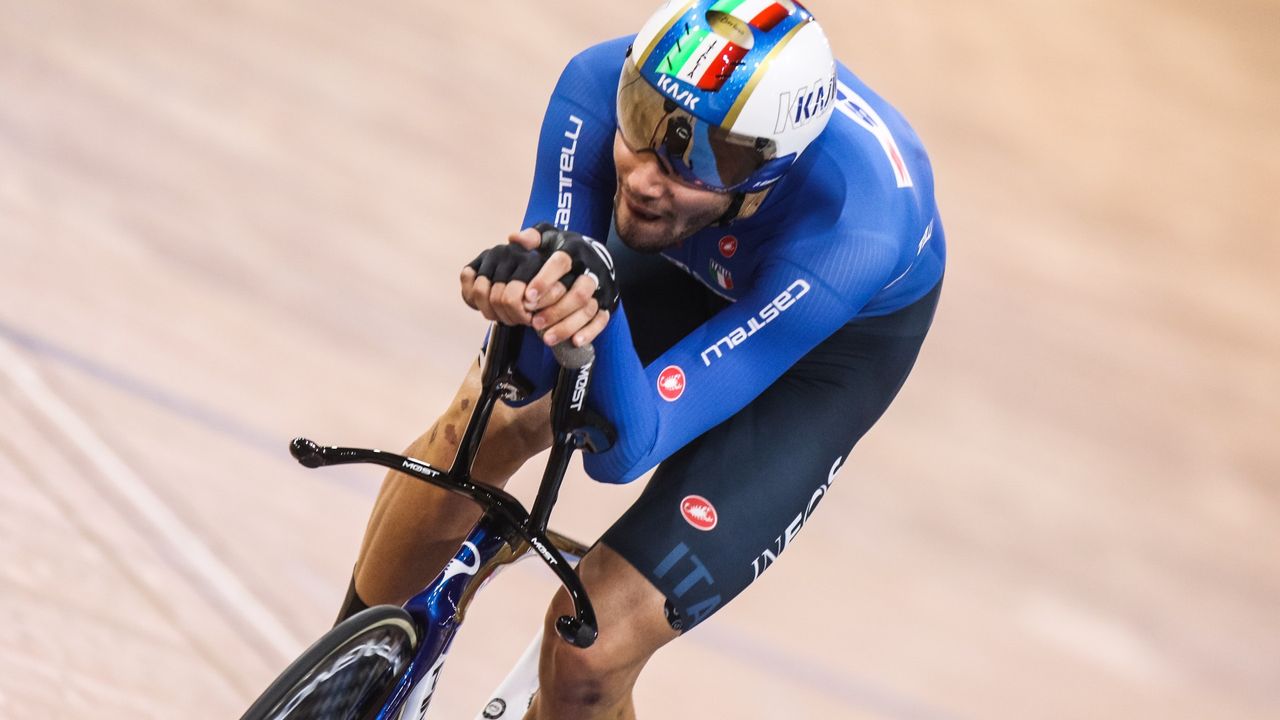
772,233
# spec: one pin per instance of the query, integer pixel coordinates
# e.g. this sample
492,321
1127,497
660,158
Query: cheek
623,158
701,204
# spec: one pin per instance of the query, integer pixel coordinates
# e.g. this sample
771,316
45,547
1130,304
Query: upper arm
573,180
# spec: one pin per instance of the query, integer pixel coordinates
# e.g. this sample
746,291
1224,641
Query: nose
648,177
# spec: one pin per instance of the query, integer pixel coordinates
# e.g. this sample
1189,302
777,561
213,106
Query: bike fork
439,610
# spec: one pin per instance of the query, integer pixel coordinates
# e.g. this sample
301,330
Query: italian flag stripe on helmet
722,67
762,14
643,57
688,52
745,95
703,59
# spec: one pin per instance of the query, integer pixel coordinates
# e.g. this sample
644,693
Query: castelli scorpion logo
671,383
699,512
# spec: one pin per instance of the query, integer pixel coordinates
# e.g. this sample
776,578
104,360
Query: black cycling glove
512,263
589,258
507,263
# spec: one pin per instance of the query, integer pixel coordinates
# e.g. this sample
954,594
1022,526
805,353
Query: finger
575,323
553,296
488,263
480,298
500,311
555,268
467,281
578,297
529,238
593,329
526,268
513,303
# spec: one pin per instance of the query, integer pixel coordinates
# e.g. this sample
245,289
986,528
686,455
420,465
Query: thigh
415,527
720,512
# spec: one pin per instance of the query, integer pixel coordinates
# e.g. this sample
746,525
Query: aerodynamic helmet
727,93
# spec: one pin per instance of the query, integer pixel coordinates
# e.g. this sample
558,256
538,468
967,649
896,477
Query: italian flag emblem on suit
723,277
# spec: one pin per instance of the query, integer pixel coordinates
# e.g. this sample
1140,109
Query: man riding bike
774,241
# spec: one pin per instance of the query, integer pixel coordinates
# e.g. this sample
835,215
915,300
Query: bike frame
506,532
438,611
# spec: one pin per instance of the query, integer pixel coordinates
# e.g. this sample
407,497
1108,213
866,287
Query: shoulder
866,120
610,52
868,166
596,69
860,196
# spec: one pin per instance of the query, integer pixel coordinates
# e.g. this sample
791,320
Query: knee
598,680
596,677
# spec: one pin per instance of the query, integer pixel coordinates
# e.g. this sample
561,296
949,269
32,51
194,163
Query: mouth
637,210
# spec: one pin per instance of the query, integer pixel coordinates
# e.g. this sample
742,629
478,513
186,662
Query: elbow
610,469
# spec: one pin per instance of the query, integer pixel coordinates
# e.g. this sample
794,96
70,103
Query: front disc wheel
347,674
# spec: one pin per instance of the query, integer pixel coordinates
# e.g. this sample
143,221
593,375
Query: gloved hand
589,258
507,263
560,283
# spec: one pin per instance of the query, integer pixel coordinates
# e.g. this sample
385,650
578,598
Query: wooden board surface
226,224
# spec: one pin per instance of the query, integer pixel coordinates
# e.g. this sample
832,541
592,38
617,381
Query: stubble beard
651,243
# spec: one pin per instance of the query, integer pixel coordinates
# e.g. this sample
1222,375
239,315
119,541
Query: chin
643,242
648,240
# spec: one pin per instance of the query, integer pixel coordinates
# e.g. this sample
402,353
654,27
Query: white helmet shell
757,68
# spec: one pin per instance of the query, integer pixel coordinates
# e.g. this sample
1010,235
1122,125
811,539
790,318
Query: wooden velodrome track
226,224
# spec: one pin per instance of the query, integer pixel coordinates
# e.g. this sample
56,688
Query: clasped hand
517,284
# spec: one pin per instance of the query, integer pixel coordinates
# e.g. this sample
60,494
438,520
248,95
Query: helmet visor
700,153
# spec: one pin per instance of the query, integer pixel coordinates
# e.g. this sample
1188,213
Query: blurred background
224,224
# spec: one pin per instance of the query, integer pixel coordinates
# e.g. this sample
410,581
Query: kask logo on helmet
807,104
685,97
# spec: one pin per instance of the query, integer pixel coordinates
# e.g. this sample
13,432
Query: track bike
383,663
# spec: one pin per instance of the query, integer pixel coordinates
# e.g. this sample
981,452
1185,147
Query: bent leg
576,684
718,513
415,528
722,510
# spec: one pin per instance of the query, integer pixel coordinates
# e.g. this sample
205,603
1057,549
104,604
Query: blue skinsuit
851,232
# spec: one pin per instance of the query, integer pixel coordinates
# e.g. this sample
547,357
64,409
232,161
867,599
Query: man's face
653,210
